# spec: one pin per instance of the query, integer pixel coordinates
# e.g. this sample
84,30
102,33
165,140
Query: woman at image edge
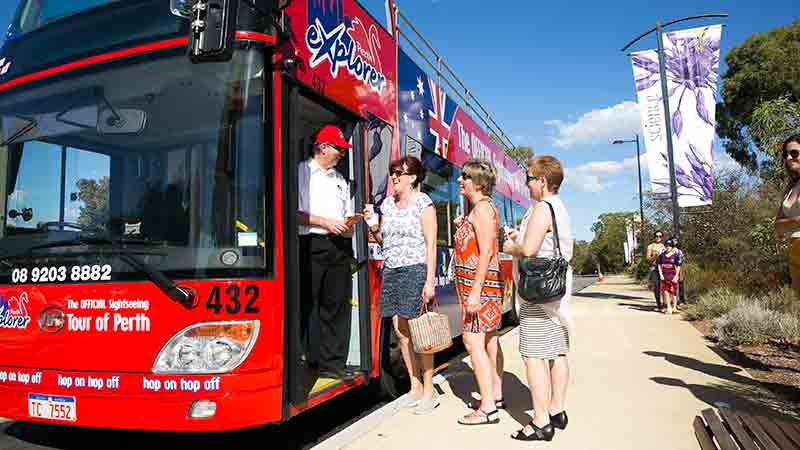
545,328
787,220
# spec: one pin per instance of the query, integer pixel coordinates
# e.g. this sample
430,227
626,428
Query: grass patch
713,304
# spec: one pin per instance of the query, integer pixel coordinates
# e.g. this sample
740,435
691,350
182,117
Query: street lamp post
639,168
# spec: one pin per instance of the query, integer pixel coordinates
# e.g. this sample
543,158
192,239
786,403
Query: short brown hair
413,166
481,172
550,168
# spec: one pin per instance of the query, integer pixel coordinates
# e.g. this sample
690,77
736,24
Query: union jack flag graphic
436,121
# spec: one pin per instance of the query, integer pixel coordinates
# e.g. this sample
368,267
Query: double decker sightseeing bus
149,263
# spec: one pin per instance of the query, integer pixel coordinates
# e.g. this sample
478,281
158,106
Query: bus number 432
233,299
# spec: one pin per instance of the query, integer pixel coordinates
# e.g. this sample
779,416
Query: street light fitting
617,141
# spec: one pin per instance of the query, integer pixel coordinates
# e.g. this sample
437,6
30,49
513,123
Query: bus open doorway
304,115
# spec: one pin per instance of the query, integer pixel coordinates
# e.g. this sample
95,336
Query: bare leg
426,361
482,366
559,375
538,373
496,357
409,356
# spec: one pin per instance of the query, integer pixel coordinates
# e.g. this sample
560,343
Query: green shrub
640,271
783,299
751,322
713,304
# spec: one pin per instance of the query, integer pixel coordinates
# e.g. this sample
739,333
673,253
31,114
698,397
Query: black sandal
486,418
560,420
545,433
498,404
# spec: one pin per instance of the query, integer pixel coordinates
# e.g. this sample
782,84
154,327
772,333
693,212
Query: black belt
329,237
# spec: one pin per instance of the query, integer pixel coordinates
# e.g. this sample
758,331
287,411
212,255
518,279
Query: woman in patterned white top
407,233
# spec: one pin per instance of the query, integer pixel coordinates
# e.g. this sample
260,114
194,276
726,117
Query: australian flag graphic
425,112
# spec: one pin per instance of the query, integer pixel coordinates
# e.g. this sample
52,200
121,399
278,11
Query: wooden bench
735,430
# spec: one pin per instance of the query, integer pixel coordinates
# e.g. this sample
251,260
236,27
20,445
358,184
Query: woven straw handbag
430,332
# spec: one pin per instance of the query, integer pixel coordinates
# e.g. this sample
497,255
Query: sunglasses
793,153
338,149
399,173
529,178
659,235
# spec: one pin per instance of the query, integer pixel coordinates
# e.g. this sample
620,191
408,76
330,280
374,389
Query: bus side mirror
212,30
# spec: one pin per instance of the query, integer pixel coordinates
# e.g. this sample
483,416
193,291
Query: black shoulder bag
542,279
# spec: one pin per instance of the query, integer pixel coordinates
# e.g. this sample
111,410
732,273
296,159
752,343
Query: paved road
301,432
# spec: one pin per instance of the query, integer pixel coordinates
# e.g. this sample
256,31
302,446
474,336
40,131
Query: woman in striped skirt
544,328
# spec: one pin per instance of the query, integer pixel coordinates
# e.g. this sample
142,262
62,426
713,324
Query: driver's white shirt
323,193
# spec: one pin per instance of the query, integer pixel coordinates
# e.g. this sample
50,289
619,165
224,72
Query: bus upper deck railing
463,93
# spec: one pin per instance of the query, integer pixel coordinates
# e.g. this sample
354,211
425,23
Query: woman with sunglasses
407,233
653,250
787,220
479,286
544,328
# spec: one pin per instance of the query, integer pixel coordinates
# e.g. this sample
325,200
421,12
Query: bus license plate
51,407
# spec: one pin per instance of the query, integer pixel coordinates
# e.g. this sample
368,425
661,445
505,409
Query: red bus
149,265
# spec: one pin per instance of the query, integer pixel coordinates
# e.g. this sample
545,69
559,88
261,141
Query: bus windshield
38,13
164,154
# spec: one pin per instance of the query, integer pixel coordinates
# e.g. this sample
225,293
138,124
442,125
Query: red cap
329,134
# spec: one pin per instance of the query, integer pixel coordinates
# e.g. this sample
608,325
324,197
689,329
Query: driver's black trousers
326,288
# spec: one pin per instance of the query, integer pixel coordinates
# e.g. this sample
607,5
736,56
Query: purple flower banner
692,62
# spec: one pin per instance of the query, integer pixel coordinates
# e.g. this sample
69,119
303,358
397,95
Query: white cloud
604,167
630,163
591,183
598,126
593,176
17,196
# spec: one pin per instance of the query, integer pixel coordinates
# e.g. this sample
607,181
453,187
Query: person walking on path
479,285
669,268
681,300
787,219
407,233
653,250
545,329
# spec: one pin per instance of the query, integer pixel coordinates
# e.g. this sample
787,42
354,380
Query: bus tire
393,380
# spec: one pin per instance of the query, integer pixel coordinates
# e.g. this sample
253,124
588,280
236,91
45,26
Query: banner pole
668,123
641,202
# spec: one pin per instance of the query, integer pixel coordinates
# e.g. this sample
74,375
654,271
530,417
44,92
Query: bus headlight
210,347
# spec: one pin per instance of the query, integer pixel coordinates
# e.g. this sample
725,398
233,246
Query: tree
583,261
762,69
519,154
773,121
730,242
610,234
94,195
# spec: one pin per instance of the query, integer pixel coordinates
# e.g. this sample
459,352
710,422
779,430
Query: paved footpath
638,380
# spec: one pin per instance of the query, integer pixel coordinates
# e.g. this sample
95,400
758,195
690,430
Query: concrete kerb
375,418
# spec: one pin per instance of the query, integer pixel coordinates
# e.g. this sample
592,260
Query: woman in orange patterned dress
479,286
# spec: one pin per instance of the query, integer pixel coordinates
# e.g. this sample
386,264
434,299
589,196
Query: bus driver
326,250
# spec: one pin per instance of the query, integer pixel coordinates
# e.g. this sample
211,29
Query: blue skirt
401,291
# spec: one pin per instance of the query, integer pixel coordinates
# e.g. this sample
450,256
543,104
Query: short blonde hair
481,172
550,168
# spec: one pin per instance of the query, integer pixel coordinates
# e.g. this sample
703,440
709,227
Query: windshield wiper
180,295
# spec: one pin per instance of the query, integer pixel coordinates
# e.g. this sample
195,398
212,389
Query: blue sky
553,76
